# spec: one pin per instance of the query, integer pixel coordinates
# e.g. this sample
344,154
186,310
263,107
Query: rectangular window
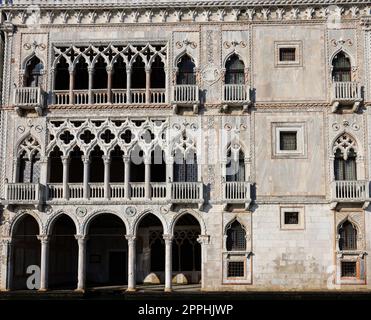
292,217
349,269
236,269
287,54
288,140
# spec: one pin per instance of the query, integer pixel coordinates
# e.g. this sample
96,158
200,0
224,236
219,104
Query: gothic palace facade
219,143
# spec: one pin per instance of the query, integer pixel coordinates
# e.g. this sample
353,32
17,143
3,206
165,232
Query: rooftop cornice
54,4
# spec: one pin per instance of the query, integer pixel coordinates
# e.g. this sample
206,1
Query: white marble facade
209,117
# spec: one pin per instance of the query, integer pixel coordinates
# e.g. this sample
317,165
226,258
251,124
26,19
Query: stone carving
341,42
228,44
210,74
34,45
186,42
131,211
81,211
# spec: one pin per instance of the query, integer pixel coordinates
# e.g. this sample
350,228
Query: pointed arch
235,233
28,58
142,215
18,219
234,70
341,67
193,213
346,52
181,55
348,232
186,70
233,53
55,216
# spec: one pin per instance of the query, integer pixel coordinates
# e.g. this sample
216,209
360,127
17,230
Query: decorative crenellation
186,13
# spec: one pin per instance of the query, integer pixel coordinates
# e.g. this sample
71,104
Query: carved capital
204,239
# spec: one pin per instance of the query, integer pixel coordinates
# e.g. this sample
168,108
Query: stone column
127,177
66,191
107,162
91,74
128,84
148,84
86,177
44,177
109,83
166,70
81,271
7,272
131,262
147,178
72,84
44,264
204,241
16,164
168,262
169,176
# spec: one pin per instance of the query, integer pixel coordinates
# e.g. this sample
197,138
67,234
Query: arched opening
158,165
55,166
26,250
96,165
186,73
100,74
138,74
119,74
345,168
33,72
341,68
186,253
137,167
76,166
106,251
81,75
185,167
62,75
29,167
348,236
117,165
236,237
235,167
157,74
235,70
150,248
345,158
63,256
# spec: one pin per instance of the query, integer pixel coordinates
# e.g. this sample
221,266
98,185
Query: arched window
235,71
185,167
157,74
186,74
119,74
138,74
341,68
100,74
236,237
348,236
62,75
81,75
345,166
235,168
29,161
33,75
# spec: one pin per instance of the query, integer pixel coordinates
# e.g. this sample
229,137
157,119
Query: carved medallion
210,74
81,211
130,211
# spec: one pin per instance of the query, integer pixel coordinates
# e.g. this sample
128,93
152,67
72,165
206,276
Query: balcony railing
187,192
102,96
350,191
237,192
236,93
180,192
346,93
28,98
25,193
185,94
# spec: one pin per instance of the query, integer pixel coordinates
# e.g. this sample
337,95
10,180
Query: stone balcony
28,98
185,95
350,191
23,193
161,192
105,96
237,192
346,94
236,95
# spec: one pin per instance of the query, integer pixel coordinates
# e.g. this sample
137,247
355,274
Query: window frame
294,44
301,218
301,140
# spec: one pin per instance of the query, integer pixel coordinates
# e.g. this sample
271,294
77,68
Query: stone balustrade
28,98
237,192
346,91
23,193
236,93
350,191
185,93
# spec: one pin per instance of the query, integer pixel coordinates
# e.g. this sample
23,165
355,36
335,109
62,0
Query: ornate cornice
48,12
